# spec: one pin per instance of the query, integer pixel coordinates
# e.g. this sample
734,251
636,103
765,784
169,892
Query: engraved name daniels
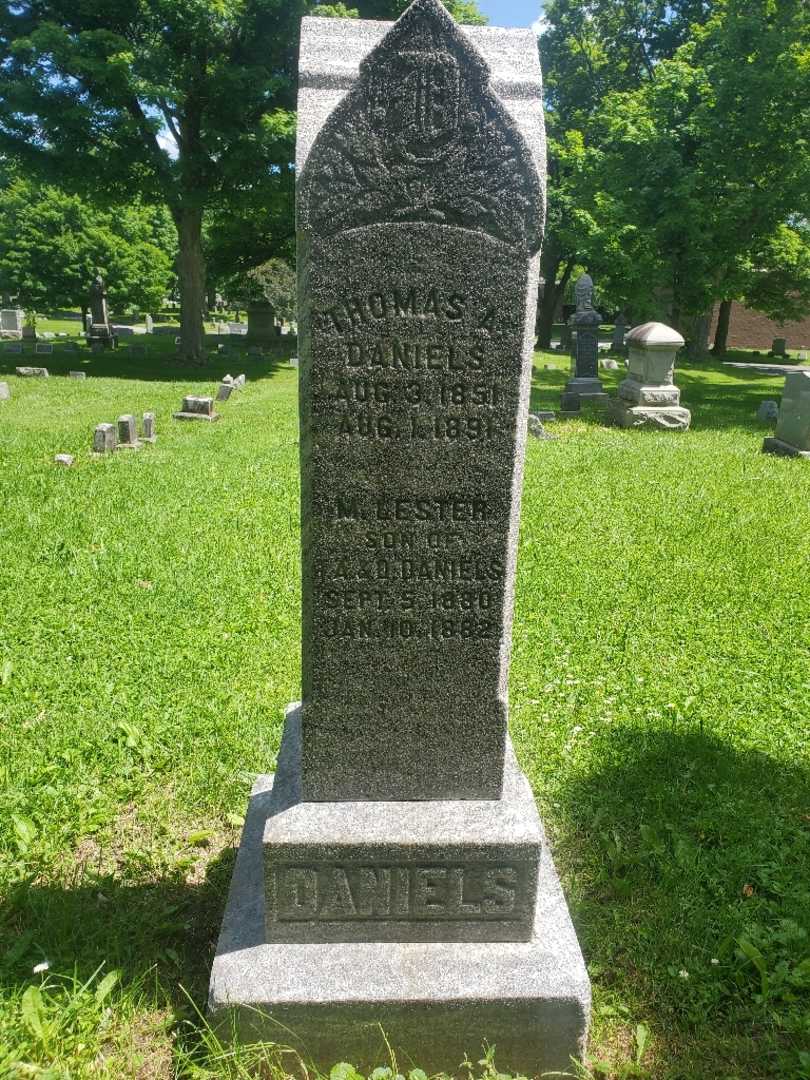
422,351
345,893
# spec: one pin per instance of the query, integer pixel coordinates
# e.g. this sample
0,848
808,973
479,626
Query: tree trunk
550,262
723,325
697,337
191,265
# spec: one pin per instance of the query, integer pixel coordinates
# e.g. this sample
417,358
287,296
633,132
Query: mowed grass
149,641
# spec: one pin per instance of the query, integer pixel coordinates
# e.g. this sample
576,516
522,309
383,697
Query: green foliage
273,281
53,244
678,150
658,697
464,11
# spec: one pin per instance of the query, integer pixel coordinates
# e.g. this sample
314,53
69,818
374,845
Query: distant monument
394,874
100,335
648,397
584,386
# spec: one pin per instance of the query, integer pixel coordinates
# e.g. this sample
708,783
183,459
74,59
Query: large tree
188,101
52,245
677,150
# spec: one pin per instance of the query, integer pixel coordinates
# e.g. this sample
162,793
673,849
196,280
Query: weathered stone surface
261,324
419,224
77,374
127,433
648,396
225,390
793,425
436,1001
779,347
768,412
399,882
239,382
536,428
584,386
63,459
197,408
670,417
11,322
5,392
388,871
149,433
105,438
32,372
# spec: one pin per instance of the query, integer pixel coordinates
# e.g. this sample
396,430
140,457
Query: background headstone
77,374
149,433
224,392
11,322
768,412
127,432
105,438
5,392
63,459
648,396
792,436
196,408
779,347
619,330
584,386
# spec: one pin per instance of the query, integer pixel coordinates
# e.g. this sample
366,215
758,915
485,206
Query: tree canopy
678,152
53,244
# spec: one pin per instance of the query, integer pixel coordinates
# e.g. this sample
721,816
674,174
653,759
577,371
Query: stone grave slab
399,827
197,408
5,392
105,438
127,433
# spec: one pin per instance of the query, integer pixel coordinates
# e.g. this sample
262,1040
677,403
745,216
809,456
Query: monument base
436,1002
581,391
773,445
211,419
669,417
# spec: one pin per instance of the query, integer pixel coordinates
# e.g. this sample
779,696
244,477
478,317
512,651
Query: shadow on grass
160,934
158,362
687,865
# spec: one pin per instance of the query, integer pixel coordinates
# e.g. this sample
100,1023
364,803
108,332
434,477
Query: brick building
753,330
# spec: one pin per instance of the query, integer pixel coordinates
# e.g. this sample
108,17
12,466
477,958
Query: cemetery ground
149,642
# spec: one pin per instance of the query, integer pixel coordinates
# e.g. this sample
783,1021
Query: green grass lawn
149,641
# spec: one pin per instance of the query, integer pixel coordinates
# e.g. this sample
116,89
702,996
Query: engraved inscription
346,893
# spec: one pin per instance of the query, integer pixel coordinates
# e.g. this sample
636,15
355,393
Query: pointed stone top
422,137
654,333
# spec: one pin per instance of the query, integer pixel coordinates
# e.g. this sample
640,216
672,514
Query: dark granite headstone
401,833
415,375
584,385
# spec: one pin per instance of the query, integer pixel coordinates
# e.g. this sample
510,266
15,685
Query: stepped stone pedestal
648,396
394,875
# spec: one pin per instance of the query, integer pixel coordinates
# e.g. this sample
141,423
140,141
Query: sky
511,12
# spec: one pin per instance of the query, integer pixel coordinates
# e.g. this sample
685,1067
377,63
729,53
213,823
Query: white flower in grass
683,974
39,968
715,962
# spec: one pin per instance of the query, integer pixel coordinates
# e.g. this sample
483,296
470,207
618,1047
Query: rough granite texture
392,871
793,425
105,438
435,1001
420,214
648,396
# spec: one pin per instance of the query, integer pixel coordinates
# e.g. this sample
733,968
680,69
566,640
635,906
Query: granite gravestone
792,437
584,386
100,333
619,330
5,393
399,835
648,397
11,322
197,408
105,439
